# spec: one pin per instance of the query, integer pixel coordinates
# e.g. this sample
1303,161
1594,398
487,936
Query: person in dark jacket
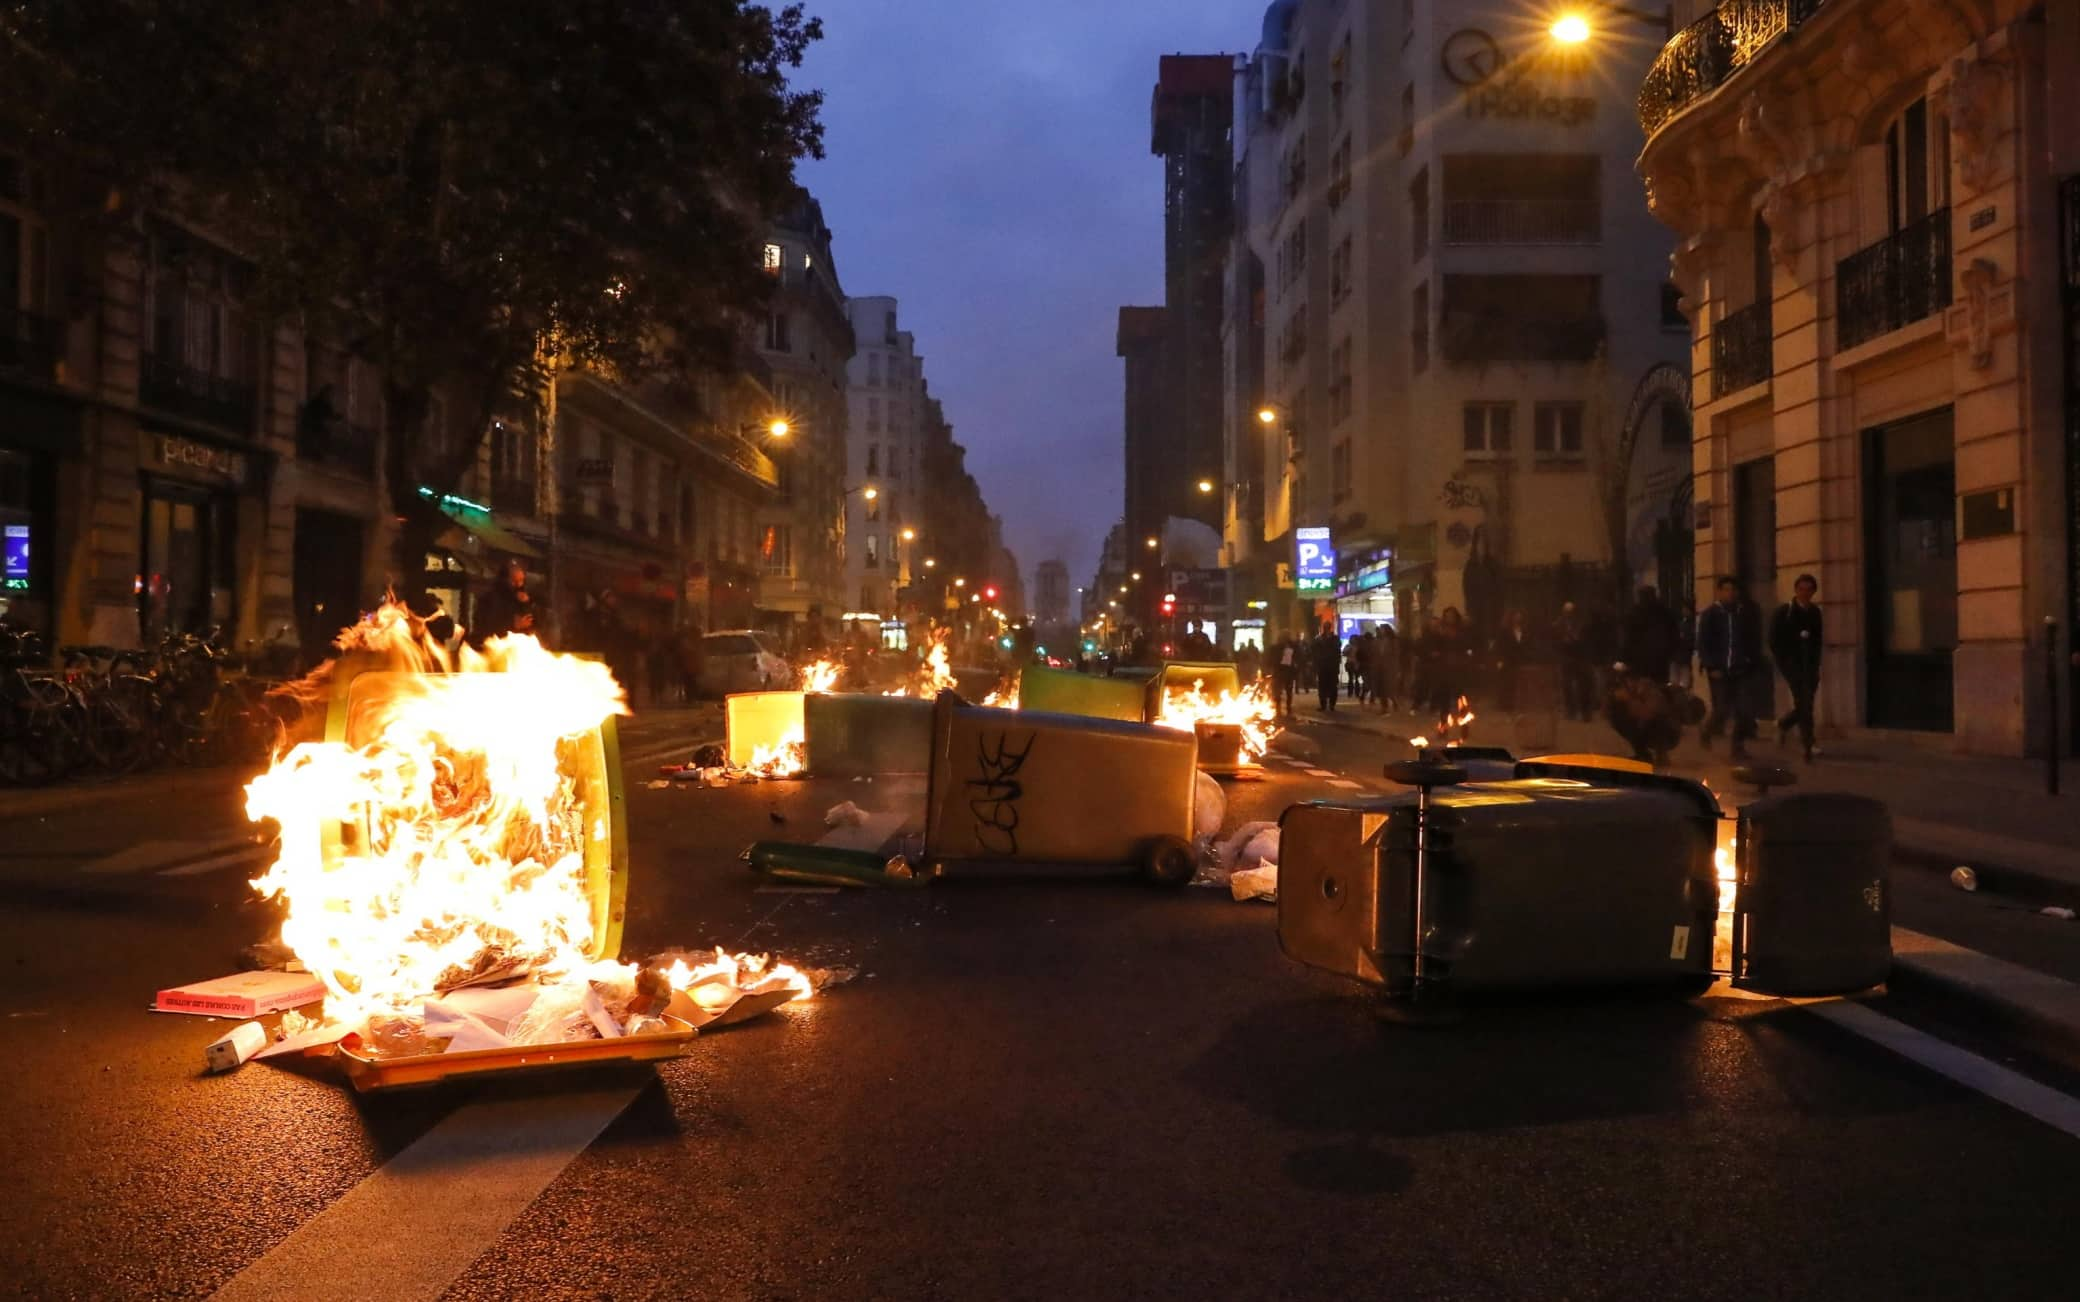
1451,664
1795,643
507,608
1651,636
1328,664
1729,647
1512,651
1285,674
1577,669
1385,666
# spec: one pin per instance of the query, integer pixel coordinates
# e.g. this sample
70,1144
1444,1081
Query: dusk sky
988,165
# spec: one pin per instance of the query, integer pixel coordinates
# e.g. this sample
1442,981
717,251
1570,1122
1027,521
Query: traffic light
1169,604
990,592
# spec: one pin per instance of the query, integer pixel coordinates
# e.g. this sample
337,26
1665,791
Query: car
742,660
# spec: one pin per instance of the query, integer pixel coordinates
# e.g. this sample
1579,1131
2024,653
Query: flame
821,676
934,676
1005,694
1420,743
462,837
788,758
721,980
1251,709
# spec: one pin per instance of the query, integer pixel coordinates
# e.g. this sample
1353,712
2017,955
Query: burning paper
934,676
822,676
1252,710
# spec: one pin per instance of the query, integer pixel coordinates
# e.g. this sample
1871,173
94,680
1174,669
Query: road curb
2001,879
2003,996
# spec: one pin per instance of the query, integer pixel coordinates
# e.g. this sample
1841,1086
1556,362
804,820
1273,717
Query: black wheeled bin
1813,905
1534,883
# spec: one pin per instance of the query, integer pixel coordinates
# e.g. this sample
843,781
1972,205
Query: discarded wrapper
1964,879
245,1040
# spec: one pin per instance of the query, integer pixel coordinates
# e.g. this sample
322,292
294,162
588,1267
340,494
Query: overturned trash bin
1812,911
763,726
1030,789
1064,691
1575,877
856,736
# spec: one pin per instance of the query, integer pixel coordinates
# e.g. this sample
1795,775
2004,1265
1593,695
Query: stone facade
1865,197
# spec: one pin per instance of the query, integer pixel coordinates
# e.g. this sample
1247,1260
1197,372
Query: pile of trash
1246,862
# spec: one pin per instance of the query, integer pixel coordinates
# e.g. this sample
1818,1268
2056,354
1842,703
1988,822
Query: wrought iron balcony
195,395
338,444
29,343
1522,221
1700,58
1741,353
1897,281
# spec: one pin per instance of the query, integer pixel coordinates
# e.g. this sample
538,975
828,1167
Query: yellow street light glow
1122,592
1206,485
779,429
960,583
1137,576
1153,544
909,535
870,492
931,563
1572,29
1267,415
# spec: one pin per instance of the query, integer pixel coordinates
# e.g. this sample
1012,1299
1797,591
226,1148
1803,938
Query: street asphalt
1040,1088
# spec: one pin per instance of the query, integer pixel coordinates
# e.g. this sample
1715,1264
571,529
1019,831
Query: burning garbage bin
767,732
1542,880
1028,788
1813,908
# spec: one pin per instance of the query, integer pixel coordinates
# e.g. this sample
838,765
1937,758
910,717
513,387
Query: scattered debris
231,1052
244,994
269,956
1259,883
1964,879
711,756
2057,911
658,784
1209,808
845,815
776,815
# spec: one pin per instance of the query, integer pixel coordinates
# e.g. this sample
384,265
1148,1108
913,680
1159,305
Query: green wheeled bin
1025,789
852,735
1812,907
1064,691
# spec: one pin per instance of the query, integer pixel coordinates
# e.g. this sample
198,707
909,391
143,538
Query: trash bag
1209,809
1259,883
845,815
1243,848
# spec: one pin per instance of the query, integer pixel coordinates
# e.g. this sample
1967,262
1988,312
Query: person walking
1386,664
1577,669
1513,650
1450,666
1328,663
1285,675
1795,643
1354,656
1729,646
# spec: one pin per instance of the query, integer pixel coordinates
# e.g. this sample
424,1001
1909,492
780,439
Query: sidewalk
1991,814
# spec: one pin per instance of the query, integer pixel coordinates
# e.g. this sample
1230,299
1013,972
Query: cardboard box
243,994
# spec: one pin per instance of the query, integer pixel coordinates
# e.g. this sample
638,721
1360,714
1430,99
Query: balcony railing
339,445
196,395
1741,353
1897,281
29,343
1522,221
1700,58
1477,337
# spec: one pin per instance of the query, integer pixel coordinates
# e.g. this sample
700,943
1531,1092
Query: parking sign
1314,559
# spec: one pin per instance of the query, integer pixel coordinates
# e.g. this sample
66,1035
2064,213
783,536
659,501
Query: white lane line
2059,1111
170,857
1320,773
229,859
419,1220
1345,783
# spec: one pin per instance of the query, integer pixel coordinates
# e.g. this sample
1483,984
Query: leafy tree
455,188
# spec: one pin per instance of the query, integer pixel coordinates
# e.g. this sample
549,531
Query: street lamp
960,583
1267,414
931,562
1571,29
1136,576
909,535
1574,28
1154,543
1205,486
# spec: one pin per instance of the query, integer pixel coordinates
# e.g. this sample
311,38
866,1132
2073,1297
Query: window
873,415
1340,272
1292,256
873,458
1522,199
1906,167
1340,382
1292,342
1672,317
874,511
1488,428
1675,424
1419,216
777,333
1407,140
773,259
1340,470
1419,329
1556,430
888,328
873,368
775,555
1339,174
1295,168
1339,74
1521,318
873,550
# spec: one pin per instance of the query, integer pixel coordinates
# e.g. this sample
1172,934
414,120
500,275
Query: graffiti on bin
993,794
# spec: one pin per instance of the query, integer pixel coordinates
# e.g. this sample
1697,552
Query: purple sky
988,165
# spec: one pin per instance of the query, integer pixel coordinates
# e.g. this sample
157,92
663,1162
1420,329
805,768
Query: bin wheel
1169,861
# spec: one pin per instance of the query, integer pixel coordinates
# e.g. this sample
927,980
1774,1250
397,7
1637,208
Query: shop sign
442,563
187,454
1314,559
14,559
1509,89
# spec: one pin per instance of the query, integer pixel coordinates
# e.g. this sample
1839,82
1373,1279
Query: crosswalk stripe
1345,783
229,859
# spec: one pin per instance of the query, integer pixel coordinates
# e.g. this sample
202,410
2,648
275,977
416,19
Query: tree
456,189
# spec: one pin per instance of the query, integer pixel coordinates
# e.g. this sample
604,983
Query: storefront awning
486,529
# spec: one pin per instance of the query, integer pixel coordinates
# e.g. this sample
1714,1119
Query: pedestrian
506,609
1651,637
1386,664
1577,668
1328,663
1729,646
1285,675
1795,642
1354,653
1512,651
1451,665
1640,711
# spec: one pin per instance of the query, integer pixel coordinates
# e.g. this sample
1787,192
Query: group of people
1376,667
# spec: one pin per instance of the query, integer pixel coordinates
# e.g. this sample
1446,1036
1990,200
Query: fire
454,843
720,980
1251,709
934,676
1460,716
786,759
1005,695
821,676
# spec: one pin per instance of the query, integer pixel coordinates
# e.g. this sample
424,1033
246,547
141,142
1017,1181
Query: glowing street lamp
1154,543
1571,29
1267,415
931,562
1206,486
779,428
909,535
960,583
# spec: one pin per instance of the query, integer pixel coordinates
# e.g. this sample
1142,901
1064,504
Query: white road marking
172,858
1345,783
229,859
1320,773
420,1219
2031,1098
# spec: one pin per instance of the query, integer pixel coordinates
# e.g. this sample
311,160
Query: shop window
186,559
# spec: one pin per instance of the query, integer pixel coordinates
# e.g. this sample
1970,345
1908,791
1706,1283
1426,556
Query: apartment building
1469,352
1879,225
887,402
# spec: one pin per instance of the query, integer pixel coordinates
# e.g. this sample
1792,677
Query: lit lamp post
1576,26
